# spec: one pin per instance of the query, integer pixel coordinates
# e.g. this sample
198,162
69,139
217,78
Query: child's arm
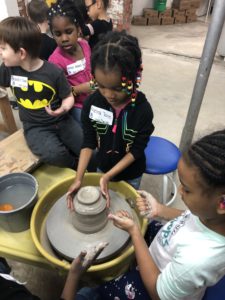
82,88
85,156
150,208
127,160
87,29
67,104
78,267
148,269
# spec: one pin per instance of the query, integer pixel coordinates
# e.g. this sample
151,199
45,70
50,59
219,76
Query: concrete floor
171,58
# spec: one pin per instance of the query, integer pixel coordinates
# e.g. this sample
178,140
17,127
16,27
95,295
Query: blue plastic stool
162,158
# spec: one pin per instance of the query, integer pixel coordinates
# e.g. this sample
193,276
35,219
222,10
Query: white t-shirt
190,257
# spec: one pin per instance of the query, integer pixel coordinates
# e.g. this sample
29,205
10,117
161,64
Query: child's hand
122,220
73,189
104,189
147,205
55,113
86,258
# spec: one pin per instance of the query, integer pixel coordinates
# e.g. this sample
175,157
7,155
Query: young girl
97,11
187,254
72,54
116,119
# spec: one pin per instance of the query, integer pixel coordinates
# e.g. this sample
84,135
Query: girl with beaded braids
186,255
73,53
116,118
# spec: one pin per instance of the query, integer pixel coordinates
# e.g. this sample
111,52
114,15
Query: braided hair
65,8
117,51
208,155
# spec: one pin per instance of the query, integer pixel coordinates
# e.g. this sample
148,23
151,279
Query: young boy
37,11
43,94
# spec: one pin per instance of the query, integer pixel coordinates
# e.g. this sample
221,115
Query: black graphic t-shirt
36,90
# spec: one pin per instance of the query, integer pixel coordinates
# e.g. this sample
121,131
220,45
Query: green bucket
160,5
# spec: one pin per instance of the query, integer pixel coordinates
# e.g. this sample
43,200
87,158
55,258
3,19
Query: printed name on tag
19,81
101,115
76,67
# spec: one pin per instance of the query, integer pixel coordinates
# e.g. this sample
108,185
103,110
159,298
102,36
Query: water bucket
18,194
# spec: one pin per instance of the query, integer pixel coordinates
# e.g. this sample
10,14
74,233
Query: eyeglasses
88,6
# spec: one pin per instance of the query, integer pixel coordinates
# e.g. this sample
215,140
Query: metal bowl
18,191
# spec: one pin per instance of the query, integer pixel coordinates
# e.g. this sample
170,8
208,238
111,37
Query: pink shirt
76,71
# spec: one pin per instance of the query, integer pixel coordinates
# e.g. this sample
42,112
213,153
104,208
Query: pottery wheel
69,242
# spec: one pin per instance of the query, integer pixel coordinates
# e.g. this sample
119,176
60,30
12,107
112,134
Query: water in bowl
17,194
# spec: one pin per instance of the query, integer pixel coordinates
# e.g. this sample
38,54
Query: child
43,94
11,289
187,254
72,55
96,10
116,119
37,11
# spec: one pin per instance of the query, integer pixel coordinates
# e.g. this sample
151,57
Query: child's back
101,23
37,12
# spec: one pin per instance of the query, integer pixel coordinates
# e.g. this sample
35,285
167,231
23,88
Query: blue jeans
76,114
87,293
135,183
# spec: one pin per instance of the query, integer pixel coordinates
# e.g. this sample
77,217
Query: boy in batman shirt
43,94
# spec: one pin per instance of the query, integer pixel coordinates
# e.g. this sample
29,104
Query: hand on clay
73,189
104,189
147,205
122,220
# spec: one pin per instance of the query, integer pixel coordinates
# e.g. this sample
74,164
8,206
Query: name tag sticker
101,115
19,81
76,67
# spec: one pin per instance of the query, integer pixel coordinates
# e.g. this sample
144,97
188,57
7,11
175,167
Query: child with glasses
97,11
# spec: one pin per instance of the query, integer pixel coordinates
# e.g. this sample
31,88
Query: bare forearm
126,161
85,156
70,287
68,102
148,269
82,88
168,213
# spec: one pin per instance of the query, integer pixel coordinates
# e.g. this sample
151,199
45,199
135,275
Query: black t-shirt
48,45
45,86
99,27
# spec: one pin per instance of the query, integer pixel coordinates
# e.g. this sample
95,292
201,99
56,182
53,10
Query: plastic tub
160,5
103,271
18,190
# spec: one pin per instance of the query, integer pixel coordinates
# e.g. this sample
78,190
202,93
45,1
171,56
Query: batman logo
36,96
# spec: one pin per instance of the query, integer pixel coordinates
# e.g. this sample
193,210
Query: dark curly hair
65,8
117,51
208,155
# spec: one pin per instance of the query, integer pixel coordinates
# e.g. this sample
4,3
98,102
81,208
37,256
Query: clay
71,232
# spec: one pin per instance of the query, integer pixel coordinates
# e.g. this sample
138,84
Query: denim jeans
87,293
135,183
